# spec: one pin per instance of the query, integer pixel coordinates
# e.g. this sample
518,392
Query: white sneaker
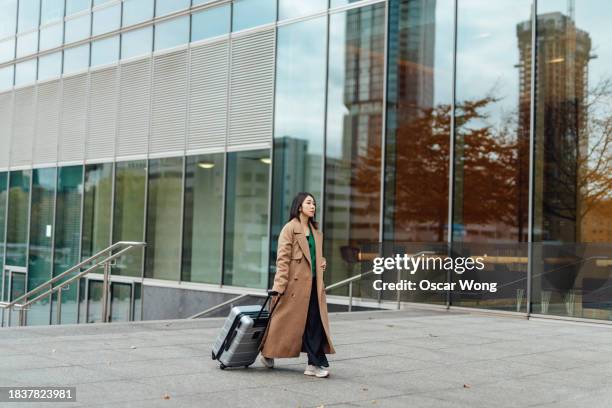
316,371
268,362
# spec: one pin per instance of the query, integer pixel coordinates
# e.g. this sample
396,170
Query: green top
313,252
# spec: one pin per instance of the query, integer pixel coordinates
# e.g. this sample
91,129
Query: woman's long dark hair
297,203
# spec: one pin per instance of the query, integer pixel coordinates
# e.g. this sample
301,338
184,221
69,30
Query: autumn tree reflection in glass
354,123
418,120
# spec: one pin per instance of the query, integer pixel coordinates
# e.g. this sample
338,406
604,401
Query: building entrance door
122,300
14,280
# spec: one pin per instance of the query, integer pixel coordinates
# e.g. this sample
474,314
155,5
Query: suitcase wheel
212,355
222,366
247,366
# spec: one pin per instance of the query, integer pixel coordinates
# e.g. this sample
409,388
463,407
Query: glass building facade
454,126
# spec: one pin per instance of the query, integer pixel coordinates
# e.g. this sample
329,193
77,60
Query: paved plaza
408,358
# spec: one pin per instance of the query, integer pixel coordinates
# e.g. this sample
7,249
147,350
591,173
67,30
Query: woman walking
299,322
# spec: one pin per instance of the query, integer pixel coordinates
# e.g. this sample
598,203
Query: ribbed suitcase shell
243,336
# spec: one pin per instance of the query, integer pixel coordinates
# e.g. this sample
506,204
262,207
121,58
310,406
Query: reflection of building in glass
563,53
355,104
414,41
354,199
297,168
410,97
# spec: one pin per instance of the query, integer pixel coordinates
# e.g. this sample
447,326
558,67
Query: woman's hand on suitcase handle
274,293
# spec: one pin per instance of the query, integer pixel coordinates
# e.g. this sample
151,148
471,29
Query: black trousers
314,334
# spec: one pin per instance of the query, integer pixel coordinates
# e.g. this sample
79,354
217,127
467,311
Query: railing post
105,292
350,305
21,319
50,316
58,317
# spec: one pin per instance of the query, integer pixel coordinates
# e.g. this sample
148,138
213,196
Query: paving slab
415,357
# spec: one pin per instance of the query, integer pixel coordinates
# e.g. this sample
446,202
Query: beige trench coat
283,337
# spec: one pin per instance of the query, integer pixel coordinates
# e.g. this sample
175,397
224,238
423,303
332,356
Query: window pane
418,122
297,8
78,28
354,138
105,51
76,59
299,118
17,221
51,37
137,11
198,2
50,66
246,219
97,204
74,6
129,206
163,250
41,239
98,2
137,42
172,33
27,44
51,10
28,14
68,234
251,13
210,23
492,140
106,20
168,6
7,50
25,72
573,203
203,220
8,17
121,299
6,77
573,151
3,204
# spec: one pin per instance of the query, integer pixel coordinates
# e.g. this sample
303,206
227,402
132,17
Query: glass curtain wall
299,119
97,208
18,217
8,18
251,13
68,235
163,250
40,255
246,219
419,97
353,146
573,150
492,122
128,215
418,129
298,8
203,218
492,125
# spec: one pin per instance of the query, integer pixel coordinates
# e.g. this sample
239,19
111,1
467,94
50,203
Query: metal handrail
106,263
219,306
352,279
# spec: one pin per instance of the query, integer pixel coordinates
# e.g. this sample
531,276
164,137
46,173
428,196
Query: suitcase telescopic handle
271,293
